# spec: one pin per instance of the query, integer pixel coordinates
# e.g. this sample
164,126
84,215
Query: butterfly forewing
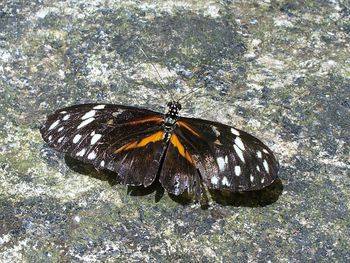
226,157
95,133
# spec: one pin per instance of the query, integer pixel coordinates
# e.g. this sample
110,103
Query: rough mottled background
278,69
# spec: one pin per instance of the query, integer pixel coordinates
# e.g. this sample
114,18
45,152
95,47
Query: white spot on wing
81,152
102,164
60,139
63,112
50,138
60,129
239,143
238,170
92,155
225,181
88,115
217,142
266,166
95,138
66,117
53,125
239,153
92,133
235,132
216,131
262,180
117,113
86,122
258,168
265,151
99,107
221,162
76,138
176,185
251,178
259,154
214,180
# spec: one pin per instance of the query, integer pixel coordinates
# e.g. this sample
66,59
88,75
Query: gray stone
279,70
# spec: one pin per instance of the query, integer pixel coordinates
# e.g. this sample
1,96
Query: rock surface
279,70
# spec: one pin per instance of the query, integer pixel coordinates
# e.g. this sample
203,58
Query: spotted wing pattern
98,133
137,144
227,158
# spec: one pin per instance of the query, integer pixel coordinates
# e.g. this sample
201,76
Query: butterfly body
142,146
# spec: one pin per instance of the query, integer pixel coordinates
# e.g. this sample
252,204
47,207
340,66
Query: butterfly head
174,108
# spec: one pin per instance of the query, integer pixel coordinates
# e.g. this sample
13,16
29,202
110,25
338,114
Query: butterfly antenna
189,93
159,79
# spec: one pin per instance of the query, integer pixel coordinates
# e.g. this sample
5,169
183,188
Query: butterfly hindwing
97,133
226,157
178,171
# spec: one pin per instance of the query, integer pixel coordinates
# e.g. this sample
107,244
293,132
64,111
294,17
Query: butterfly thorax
171,116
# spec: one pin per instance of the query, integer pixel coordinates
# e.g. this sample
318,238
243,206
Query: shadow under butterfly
258,198
186,156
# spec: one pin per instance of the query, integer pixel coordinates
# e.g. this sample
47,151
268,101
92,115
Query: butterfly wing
227,158
178,172
109,136
130,141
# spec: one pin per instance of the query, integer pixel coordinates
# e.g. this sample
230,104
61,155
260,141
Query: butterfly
184,154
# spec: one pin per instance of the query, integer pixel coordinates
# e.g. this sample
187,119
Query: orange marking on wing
158,136
174,140
150,119
188,127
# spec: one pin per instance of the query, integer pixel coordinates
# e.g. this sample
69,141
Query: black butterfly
141,146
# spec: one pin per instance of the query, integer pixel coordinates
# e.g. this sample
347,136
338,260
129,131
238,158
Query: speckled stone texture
277,69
